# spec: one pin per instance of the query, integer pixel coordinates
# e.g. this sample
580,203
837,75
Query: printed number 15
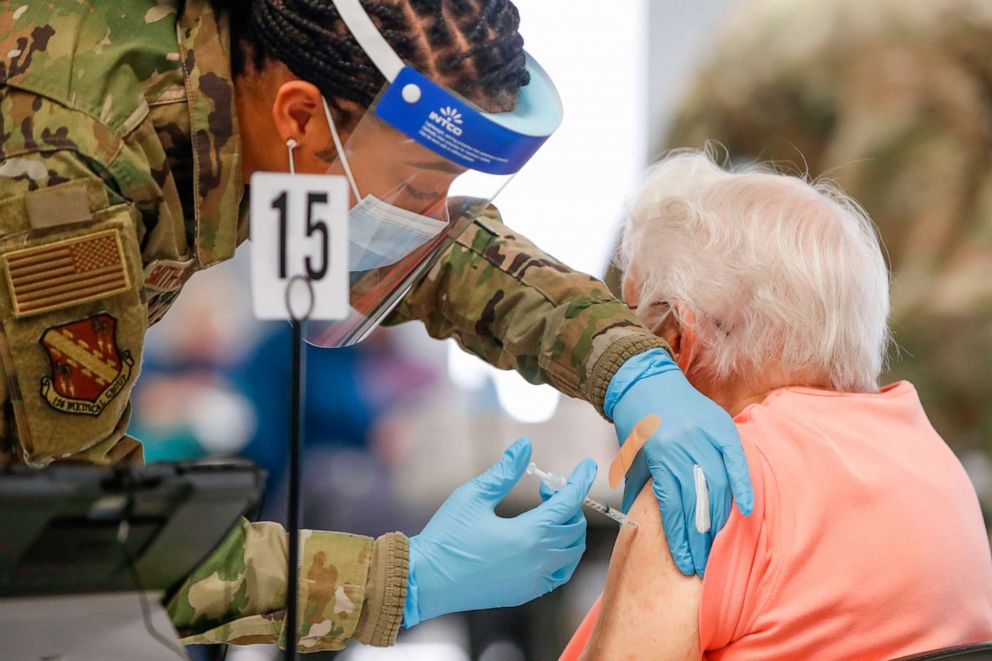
279,204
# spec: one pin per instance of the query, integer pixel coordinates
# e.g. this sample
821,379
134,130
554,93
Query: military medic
891,100
129,129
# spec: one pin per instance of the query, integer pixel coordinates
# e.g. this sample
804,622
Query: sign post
299,266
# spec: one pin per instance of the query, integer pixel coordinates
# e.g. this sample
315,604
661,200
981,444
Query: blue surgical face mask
380,234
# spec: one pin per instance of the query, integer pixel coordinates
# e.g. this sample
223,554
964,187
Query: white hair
774,271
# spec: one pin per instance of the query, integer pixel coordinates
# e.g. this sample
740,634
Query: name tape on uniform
299,227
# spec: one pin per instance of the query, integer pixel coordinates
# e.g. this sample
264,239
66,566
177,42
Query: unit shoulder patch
88,368
64,273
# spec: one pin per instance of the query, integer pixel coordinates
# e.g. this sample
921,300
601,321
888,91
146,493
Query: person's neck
736,395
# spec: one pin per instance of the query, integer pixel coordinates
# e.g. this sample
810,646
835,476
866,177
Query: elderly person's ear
679,330
681,336
631,288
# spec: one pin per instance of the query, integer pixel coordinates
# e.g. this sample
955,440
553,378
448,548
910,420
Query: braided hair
471,46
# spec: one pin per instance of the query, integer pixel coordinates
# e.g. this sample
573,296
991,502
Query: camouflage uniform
120,176
892,100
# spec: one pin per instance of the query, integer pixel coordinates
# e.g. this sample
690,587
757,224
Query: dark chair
973,652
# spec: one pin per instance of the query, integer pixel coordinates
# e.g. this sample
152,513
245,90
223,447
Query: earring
291,144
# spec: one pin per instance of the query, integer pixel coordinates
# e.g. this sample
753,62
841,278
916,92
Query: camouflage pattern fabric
890,99
119,178
110,123
516,307
238,595
106,112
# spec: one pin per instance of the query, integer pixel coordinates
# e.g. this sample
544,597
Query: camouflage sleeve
515,307
351,588
65,400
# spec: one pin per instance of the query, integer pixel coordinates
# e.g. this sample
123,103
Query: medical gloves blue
468,558
695,456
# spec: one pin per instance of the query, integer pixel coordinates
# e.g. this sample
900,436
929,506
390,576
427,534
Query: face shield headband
423,164
447,124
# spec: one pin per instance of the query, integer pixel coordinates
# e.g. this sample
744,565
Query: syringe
556,482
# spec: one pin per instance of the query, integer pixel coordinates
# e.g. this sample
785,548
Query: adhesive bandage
625,458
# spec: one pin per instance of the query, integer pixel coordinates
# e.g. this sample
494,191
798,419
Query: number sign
299,227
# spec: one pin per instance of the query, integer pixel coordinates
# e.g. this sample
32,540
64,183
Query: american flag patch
58,275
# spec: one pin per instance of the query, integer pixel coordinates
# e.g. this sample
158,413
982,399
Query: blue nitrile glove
468,558
694,432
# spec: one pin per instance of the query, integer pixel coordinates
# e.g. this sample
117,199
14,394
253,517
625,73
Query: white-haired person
867,541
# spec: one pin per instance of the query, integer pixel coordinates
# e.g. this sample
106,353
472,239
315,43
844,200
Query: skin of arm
649,610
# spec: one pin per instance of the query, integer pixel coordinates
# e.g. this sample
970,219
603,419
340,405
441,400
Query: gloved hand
468,558
694,432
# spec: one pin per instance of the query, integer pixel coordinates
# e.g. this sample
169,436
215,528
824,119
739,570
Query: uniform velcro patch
65,273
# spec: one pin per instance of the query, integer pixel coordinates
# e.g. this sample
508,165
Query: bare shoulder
649,609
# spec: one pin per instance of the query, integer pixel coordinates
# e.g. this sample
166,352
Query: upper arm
514,306
72,319
648,603
71,184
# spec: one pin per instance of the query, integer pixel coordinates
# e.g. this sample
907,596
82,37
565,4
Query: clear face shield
423,164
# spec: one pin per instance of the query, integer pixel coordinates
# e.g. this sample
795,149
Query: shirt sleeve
82,218
72,316
738,565
504,300
351,588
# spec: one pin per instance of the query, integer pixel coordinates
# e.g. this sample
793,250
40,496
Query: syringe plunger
551,481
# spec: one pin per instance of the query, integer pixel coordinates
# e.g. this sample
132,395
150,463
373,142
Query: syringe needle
606,510
556,482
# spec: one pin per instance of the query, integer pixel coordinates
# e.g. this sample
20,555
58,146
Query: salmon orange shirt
866,542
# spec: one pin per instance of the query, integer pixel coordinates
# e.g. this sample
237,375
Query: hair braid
497,52
432,12
473,46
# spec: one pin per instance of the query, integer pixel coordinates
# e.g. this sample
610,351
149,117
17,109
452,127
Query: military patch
88,368
63,204
68,272
165,275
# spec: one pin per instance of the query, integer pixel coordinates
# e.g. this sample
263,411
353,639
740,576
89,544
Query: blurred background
893,100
